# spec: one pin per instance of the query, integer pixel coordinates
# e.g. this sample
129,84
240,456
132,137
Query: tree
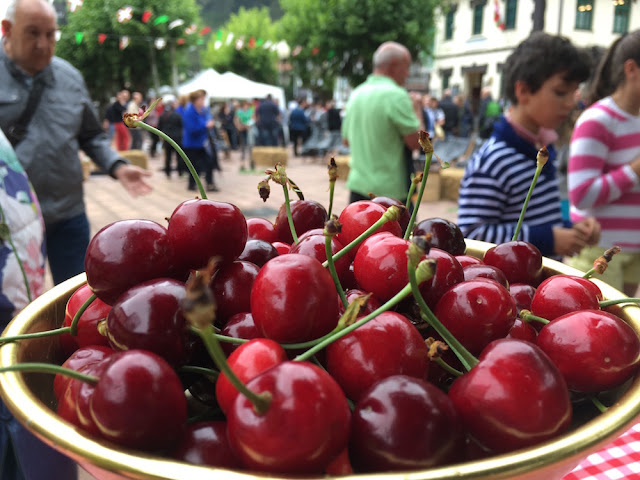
245,54
91,42
338,37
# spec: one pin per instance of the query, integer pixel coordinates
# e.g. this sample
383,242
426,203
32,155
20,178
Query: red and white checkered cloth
618,460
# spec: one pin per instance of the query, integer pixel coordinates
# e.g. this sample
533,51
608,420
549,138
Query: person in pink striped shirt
604,163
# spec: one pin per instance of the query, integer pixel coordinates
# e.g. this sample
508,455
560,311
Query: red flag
315,51
146,16
252,42
180,41
101,38
205,30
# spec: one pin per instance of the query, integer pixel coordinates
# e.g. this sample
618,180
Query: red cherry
306,214
477,312
231,287
261,229
312,245
293,299
528,401
594,350
248,361
139,402
445,235
522,330
88,333
202,229
562,294
282,247
206,443
372,304
126,253
403,423
522,293
521,262
80,358
485,271
465,260
240,325
258,252
305,427
448,273
405,216
357,217
384,346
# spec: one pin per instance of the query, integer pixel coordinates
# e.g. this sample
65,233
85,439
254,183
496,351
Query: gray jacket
64,122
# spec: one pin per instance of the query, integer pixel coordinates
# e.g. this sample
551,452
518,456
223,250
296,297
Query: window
446,78
621,16
478,12
584,15
510,14
448,26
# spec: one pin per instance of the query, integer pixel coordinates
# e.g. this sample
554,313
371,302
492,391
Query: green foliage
352,30
105,67
256,63
217,12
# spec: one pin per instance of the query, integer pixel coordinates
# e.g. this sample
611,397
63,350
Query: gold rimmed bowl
30,398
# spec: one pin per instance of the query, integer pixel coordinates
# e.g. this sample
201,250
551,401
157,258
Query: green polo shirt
378,115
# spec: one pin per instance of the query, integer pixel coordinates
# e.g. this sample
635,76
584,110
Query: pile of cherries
341,379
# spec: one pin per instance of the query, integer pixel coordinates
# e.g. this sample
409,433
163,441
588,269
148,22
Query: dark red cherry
448,273
485,271
88,333
372,303
522,330
445,234
522,293
357,217
258,252
240,325
282,247
465,260
513,398
306,214
521,262
206,443
387,202
125,253
305,427
80,358
594,350
562,294
312,245
231,287
403,423
202,229
261,229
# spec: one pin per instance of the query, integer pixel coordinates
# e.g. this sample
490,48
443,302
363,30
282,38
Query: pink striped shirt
601,182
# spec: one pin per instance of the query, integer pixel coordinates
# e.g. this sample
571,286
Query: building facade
474,37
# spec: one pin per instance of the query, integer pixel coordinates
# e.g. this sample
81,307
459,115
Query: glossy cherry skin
88,333
305,427
248,361
293,299
522,293
139,402
240,325
522,330
85,392
384,346
448,273
206,443
404,423
261,229
594,350
282,247
231,287
126,253
405,216
465,260
372,304
485,271
358,216
258,252
562,294
306,214
148,316
521,262
528,401
445,235
477,312
80,358
313,246
202,229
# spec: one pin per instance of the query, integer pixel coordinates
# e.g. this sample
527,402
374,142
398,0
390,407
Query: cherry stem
446,367
601,263
332,268
618,301
5,234
167,138
598,404
526,316
465,357
26,336
207,372
392,213
428,151
333,176
39,367
287,204
222,338
76,318
541,160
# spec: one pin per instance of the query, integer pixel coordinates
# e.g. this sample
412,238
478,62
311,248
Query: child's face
549,106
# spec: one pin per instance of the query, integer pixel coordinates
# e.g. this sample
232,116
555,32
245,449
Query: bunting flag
161,19
181,41
146,16
176,23
497,16
191,29
160,43
124,14
229,38
252,42
79,36
219,35
205,30
74,5
296,51
315,51
124,42
101,38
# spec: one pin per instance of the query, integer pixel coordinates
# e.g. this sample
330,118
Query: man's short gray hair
10,14
388,53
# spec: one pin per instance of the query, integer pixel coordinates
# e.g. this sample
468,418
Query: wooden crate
136,157
450,183
432,189
342,161
269,156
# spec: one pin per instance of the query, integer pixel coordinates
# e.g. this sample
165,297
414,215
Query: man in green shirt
381,118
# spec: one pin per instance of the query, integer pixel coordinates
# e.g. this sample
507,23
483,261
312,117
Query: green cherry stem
447,368
428,151
333,176
618,301
207,372
287,205
541,160
392,213
27,336
76,318
526,316
601,263
178,149
39,367
598,404
330,229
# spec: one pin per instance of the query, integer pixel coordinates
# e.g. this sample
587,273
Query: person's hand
590,228
134,179
568,242
210,124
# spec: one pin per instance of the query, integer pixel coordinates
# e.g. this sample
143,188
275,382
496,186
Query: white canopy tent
231,86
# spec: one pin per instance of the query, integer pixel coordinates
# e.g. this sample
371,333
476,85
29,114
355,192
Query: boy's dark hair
541,56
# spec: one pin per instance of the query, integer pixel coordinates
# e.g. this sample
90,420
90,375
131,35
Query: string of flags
127,13
497,16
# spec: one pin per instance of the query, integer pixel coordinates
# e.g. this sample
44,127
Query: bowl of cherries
362,344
